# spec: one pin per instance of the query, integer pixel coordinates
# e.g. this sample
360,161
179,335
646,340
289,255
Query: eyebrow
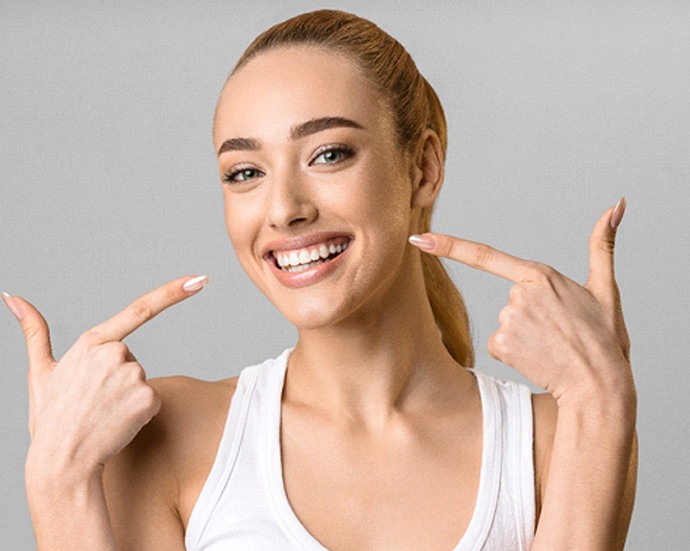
296,132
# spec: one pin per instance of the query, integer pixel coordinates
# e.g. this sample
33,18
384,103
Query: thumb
601,281
35,329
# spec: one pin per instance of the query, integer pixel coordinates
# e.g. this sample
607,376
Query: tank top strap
505,508
250,385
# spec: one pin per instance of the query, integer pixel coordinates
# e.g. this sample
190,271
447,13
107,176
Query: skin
391,401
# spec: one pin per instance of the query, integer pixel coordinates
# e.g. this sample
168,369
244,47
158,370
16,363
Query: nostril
297,221
302,219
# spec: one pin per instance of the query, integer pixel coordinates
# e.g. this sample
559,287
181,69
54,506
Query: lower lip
312,275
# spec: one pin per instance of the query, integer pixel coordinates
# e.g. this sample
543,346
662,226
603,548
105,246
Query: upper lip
300,241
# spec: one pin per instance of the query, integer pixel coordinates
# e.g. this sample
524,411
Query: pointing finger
476,255
35,329
601,281
147,307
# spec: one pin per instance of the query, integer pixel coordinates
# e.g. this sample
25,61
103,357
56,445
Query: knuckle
171,295
149,395
445,246
31,331
118,349
133,373
516,294
91,337
141,310
503,316
482,255
542,273
138,372
506,315
495,345
607,244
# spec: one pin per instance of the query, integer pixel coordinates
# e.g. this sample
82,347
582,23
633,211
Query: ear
427,170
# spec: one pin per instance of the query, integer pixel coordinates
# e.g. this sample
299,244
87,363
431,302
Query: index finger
148,306
476,255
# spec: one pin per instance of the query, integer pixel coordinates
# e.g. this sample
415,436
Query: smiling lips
299,260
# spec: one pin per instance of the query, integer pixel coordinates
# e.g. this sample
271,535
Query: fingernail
424,242
13,307
195,283
617,214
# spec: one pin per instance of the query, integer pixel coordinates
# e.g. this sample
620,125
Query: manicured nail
424,242
195,283
13,307
617,214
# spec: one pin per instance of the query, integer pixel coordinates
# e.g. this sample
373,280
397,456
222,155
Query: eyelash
231,177
345,152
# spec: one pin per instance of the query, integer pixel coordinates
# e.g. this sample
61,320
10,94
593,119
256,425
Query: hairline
383,94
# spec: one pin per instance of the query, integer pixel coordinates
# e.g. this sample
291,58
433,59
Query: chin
313,312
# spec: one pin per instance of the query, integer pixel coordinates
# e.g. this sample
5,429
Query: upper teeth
308,255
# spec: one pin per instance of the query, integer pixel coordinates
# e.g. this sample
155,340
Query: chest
406,489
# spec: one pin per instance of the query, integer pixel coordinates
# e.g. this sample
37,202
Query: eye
241,174
331,154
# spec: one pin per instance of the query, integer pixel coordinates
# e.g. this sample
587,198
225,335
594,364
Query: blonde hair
414,106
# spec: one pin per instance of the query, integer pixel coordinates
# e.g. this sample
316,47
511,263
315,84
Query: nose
290,203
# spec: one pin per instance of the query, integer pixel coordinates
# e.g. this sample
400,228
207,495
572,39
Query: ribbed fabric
243,504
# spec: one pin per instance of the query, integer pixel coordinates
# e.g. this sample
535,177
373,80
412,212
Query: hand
88,406
559,334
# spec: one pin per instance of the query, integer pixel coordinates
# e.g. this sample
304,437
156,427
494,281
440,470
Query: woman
370,433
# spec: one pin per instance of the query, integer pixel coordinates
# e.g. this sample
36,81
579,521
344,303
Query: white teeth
302,267
303,259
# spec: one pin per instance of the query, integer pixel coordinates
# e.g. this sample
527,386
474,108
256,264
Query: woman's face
317,193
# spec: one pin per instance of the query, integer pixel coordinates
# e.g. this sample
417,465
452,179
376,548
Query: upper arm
545,417
153,484
141,487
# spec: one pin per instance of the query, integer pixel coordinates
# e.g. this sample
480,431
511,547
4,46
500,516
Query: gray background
108,186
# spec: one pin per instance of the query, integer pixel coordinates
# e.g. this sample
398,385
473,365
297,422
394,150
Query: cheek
389,204
242,223
383,191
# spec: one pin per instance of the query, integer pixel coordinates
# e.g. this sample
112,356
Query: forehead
289,85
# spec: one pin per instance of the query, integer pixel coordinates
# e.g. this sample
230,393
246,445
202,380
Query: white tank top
243,504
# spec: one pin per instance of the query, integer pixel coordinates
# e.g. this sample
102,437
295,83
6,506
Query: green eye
246,174
241,175
332,155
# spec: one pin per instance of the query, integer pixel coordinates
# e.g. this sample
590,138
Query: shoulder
192,412
545,416
187,402
191,420
152,484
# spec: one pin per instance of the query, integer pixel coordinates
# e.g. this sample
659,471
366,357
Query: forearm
68,512
588,475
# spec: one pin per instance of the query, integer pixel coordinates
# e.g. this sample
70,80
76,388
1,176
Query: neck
377,363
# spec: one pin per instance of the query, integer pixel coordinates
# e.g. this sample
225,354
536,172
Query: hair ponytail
447,304
450,312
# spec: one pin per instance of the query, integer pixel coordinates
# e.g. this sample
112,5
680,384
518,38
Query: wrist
54,474
607,388
600,413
